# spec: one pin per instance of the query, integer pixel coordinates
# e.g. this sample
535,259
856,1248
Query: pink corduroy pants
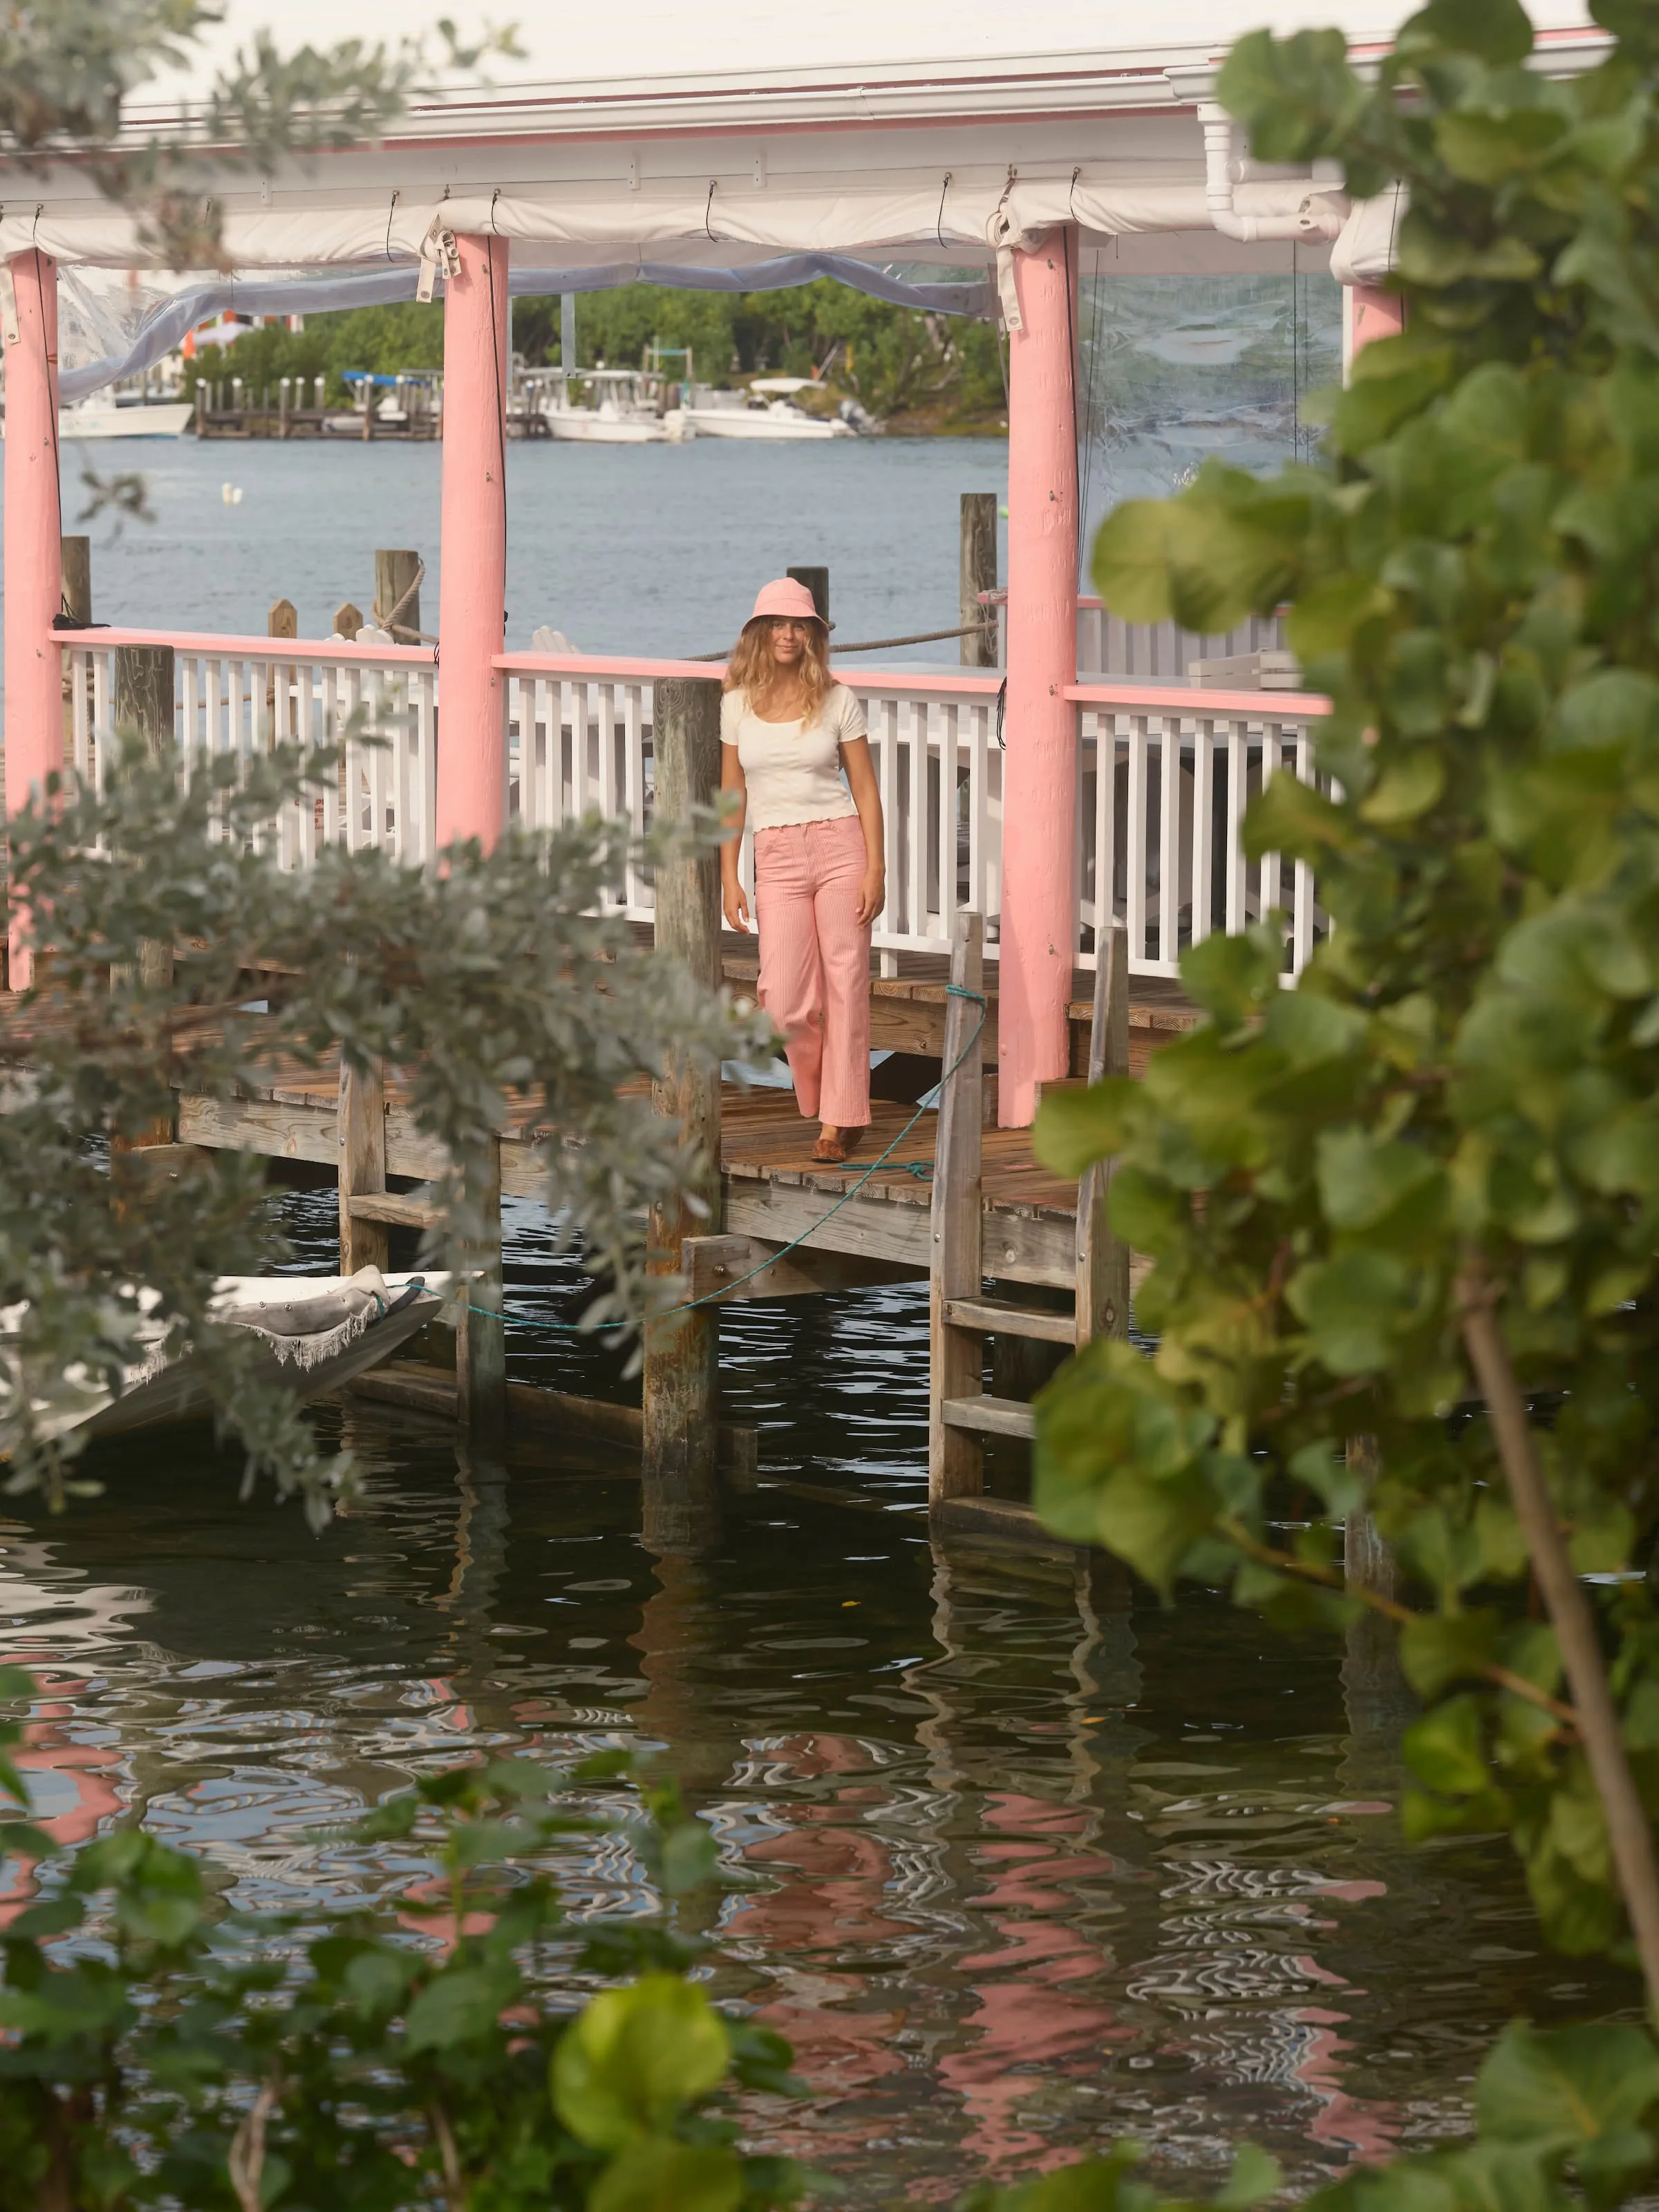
815,963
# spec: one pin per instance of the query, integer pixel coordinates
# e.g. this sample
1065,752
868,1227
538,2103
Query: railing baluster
1268,879
1169,846
1203,830
1137,885
633,737
1302,904
1238,773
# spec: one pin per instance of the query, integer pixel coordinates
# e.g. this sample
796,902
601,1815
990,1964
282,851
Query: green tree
495,973
1416,1201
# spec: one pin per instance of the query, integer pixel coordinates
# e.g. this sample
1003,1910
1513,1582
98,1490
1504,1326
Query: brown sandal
834,1146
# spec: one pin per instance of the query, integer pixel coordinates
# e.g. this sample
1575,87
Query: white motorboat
104,418
766,410
317,1332
625,408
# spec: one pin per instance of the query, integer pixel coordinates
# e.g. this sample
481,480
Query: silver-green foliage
492,974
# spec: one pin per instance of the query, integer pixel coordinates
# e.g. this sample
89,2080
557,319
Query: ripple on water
1027,1862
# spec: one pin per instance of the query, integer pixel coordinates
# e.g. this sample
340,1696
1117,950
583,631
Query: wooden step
393,1210
992,1318
1000,1521
989,1417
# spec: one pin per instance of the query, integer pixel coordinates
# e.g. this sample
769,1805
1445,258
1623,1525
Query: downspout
1224,171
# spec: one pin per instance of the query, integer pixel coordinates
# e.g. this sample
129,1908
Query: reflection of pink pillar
1368,312
34,702
1039,907
472,736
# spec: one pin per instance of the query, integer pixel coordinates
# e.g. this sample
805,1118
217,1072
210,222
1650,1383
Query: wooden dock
984,1212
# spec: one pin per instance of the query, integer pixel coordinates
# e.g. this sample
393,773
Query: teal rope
922,1171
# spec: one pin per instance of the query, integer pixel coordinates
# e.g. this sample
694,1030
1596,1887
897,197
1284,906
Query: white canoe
317,1333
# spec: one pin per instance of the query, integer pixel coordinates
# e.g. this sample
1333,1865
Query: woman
795,755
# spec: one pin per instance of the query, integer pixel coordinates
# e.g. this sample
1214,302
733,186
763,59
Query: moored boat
317,1332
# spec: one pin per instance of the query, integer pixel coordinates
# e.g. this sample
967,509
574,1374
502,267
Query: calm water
650,549
1030,1863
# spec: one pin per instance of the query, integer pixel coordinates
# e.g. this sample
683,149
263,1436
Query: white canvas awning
850,157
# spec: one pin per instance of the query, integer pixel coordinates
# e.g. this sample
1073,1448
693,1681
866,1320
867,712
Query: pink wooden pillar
472,735
1368,312
34,701
1039,901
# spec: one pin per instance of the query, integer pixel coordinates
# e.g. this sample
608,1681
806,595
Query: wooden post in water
398,593
1102,1260
681,1496
978,573
360,1137
143,706
956,1460
480,1334
817,581
348,619
1378,1698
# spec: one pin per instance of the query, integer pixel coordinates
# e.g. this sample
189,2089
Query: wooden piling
1102,1260
398,593
978,573
480,1332
143,706
348,619
75,558
360,1137
817,581
681,1493
956,1458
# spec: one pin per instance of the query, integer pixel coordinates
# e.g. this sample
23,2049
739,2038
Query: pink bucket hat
786,597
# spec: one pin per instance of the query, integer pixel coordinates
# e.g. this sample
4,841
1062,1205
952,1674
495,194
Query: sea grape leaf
634,2058
1563,2088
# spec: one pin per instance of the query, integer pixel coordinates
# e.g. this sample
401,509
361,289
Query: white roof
654,46
845,131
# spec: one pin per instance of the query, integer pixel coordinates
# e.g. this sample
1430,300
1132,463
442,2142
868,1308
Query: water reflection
1024,1862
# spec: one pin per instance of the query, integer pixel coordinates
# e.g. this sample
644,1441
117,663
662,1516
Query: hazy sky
576,42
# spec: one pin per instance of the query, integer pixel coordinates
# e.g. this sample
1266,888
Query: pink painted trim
1183,699
208,645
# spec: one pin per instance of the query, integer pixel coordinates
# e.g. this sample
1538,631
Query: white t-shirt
793,769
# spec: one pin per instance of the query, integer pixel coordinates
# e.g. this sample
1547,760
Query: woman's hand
735,900
872,894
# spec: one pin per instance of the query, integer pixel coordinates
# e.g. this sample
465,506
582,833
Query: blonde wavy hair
752,670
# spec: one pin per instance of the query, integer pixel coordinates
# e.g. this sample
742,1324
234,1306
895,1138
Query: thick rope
390,622
882,644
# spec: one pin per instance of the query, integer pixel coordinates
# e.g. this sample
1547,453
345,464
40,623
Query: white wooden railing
241,695
1164,774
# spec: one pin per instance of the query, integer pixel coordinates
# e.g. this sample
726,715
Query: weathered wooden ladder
961,1411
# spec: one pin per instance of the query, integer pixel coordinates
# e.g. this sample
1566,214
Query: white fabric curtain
111,326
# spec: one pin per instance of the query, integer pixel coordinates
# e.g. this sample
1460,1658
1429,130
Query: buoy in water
231,494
